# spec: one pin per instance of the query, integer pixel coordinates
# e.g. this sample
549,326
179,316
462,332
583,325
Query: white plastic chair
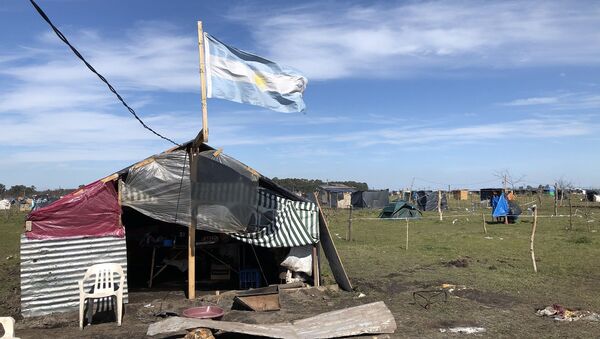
8,324
104,287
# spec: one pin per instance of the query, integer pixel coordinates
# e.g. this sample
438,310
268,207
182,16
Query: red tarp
92,211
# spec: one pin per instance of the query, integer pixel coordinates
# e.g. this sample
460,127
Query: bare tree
508,180
563,185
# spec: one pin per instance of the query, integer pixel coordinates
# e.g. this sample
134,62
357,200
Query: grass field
502,291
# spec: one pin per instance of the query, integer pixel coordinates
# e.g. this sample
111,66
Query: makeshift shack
250,232
460,194
370,199
428,200
400,209
336,196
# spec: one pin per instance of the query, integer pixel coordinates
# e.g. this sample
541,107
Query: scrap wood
371,318
331,253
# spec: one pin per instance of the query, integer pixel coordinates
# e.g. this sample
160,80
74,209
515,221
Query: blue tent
502,209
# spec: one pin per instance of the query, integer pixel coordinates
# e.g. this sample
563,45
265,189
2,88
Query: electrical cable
64,39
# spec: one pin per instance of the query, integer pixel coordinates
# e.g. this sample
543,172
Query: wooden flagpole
204,137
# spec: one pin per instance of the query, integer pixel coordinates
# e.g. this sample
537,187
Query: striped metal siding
51,268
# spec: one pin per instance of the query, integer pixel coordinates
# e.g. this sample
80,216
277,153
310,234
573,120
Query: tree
508,180
2,190
563,185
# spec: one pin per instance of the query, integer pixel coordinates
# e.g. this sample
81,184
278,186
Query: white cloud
332,41
533,101
563,101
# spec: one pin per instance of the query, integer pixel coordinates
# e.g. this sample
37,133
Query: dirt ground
143,307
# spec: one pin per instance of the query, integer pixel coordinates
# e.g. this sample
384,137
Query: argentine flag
242,77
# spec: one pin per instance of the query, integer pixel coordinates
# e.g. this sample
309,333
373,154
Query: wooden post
570,213
203,82
555,199
483,217
439,204
316,271
192,233
532,238
406,234
349,235
120,200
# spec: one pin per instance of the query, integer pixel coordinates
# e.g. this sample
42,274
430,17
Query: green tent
400,209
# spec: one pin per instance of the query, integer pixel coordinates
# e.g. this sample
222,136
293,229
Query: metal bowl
204,312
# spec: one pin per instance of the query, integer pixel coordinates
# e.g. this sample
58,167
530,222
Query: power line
64,39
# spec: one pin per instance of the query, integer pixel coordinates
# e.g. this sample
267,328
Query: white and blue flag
238,76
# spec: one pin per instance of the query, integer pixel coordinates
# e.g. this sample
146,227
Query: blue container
249,278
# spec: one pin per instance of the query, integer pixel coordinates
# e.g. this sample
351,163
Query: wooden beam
331,253
204,131
111,177
192,233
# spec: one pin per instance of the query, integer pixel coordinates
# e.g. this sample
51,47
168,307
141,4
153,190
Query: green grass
499,271
11,227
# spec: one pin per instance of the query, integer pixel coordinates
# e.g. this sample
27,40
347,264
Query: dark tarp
400,209
370,199
514,210
92,211
428,201
224,192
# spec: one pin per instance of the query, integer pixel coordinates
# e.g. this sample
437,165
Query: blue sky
449,93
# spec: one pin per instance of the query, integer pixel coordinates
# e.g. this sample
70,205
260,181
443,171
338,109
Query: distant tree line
310,185
16,191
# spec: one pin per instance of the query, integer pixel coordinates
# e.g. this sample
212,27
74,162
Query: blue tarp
501,208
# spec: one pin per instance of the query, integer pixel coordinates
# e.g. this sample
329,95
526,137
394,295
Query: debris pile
560,313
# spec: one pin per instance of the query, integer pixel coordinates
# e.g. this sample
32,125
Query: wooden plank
259,303
373,318
177,324
331,253
111,177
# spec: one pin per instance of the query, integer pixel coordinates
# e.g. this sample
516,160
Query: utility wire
64,39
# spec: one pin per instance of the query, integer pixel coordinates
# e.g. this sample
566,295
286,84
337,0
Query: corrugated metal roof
51,268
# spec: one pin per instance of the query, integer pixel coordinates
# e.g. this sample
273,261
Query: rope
64,39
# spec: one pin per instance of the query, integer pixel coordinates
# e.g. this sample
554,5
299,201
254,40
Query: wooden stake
349,235
532,238
406,234
316,272
483,217
439,204
555,199
570,213
204,137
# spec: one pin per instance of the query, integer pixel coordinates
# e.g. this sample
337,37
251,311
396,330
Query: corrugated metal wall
51,268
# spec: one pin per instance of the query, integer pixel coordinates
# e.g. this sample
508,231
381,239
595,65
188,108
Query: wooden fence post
570,213
533,237
555,199
439,205
483,217
349,235
406,234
